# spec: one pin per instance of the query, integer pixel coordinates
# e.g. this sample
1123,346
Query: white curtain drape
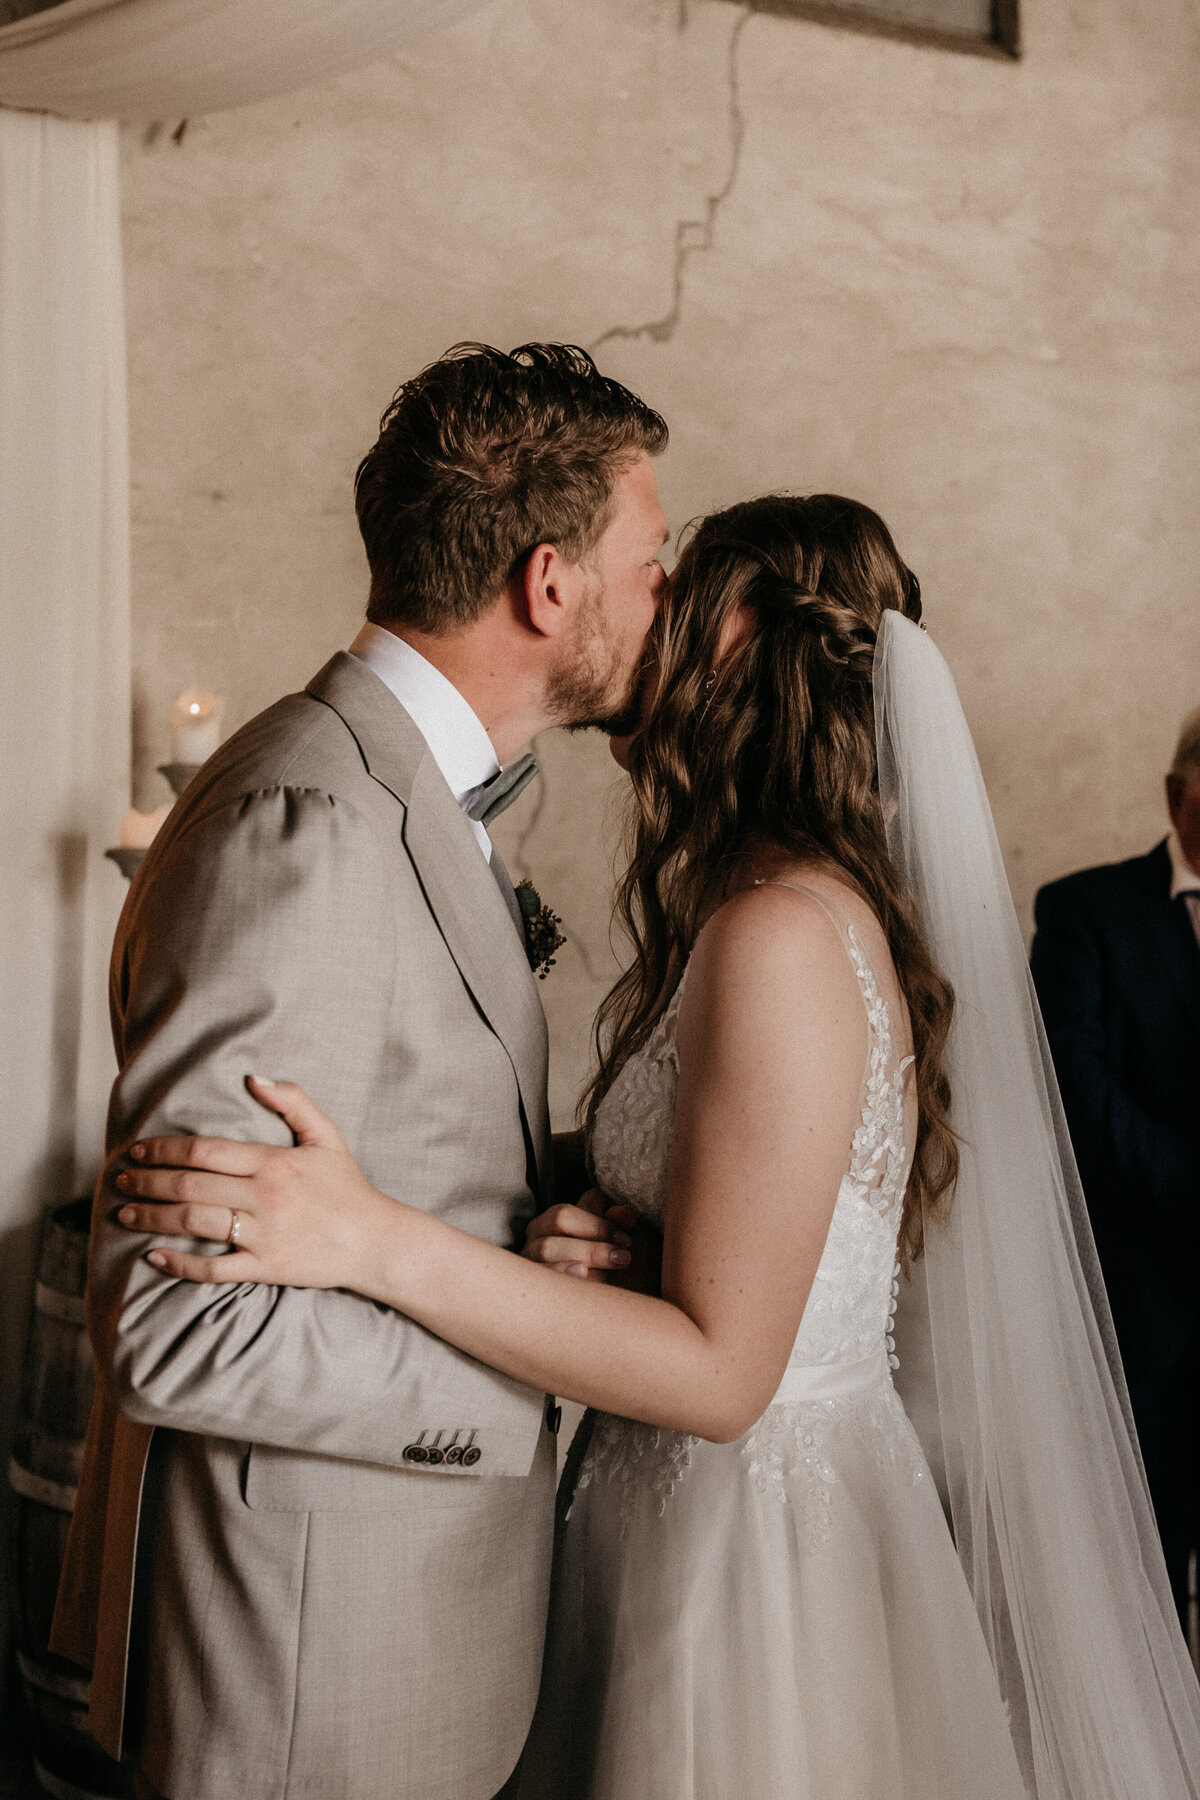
73,70
154,59
64,701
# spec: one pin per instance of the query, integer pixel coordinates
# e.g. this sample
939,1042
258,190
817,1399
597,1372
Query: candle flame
196,703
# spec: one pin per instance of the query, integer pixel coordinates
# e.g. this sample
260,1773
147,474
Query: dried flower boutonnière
542,936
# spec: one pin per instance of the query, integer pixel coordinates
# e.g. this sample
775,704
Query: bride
760,1588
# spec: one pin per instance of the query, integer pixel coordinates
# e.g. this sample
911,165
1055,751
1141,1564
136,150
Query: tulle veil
1008,1360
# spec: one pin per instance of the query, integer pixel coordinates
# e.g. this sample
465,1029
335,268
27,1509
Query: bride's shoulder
765,945
776,913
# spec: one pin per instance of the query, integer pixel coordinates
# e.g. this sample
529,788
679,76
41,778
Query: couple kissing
314,1554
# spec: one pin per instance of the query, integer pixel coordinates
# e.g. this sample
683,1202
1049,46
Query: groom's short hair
481,457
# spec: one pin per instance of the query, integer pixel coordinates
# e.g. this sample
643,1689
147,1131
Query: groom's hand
590,1240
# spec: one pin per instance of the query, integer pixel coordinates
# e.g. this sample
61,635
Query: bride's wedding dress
784,1617
789,1617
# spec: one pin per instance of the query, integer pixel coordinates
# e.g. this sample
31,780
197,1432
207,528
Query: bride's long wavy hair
772,744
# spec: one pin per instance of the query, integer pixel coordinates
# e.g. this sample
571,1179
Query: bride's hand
598,1241
586,1240
294,1217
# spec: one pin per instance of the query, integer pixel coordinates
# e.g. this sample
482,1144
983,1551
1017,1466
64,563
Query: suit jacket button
471,1456
416,1453
434,1455
454,1453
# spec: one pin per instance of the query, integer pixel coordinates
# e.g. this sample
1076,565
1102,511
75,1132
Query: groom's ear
545,591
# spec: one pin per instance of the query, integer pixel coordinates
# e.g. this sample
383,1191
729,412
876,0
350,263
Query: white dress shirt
457,741
1185,881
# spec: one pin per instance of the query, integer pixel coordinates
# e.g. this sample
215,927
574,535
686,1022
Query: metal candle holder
178,775
126,856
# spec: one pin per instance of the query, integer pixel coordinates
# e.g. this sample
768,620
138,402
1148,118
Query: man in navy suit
1116,962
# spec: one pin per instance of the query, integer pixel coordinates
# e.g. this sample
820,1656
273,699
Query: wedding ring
235,1226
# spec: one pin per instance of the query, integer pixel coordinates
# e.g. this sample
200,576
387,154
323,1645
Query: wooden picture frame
872,18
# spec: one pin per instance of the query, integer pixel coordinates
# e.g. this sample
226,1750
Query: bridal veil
1027,1407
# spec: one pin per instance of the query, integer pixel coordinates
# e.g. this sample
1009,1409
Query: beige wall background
961,289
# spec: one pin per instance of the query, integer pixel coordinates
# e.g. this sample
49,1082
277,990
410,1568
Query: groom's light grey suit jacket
314,1615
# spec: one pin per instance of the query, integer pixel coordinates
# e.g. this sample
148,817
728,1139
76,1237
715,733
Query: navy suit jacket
1117,970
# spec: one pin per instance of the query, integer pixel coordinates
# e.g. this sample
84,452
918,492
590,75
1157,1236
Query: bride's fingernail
575,1269
127,1215
157,1258
264,1081
623,1238
137,1151
619,1259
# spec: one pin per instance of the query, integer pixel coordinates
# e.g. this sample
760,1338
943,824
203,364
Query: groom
310,1554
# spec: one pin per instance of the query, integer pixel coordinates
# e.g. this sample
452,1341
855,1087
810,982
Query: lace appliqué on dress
635,1122
636,1460
790,1454
878,1157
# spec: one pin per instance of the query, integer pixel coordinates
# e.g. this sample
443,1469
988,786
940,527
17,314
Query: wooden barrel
56,1397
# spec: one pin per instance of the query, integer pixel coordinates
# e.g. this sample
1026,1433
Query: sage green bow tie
496,795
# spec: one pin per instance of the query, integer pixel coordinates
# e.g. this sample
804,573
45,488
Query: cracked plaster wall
961,289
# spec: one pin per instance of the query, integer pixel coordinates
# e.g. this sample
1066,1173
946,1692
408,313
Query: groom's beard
592,690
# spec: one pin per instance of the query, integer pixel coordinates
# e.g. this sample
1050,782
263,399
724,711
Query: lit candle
138,828
195,726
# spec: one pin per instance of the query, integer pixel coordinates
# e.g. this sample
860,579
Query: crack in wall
693,236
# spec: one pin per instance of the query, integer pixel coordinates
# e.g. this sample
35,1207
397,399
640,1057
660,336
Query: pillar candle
195,726
138,828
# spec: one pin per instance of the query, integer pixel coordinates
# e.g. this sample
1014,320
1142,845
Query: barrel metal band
53,1681
70,1308
36,1487
60,1789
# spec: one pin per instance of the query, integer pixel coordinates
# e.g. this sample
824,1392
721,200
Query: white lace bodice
853,1297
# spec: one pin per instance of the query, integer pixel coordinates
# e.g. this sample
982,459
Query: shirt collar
1184,879
457,741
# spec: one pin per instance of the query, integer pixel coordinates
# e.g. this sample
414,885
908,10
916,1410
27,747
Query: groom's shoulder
327,737
298,741
280,773
290,787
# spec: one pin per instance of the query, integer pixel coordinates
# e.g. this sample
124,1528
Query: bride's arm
772,1041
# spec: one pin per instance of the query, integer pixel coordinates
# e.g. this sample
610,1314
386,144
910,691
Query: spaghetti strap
879,1158
834,913
878,1011
841,924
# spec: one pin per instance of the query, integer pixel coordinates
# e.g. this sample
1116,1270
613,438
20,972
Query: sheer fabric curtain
64,701
73,70
150,59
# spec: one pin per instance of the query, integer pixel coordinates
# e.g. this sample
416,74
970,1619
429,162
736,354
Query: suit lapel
466,901
461,890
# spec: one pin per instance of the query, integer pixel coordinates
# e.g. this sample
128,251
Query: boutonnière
542,936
